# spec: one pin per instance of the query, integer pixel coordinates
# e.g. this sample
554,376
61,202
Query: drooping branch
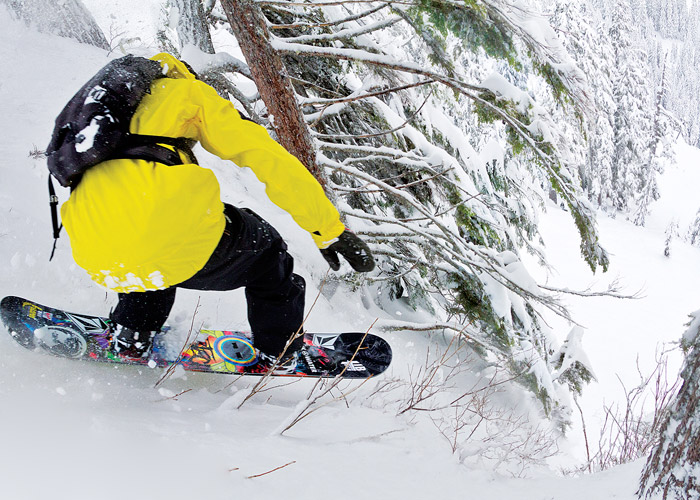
459,254
330,23
366,95
375,134
346,34
583,216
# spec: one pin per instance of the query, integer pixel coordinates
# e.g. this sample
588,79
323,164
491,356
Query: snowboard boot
265,363
128,343
282,363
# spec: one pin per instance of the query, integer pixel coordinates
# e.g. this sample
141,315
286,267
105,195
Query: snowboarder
144,229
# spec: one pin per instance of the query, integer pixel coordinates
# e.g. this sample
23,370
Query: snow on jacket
136,225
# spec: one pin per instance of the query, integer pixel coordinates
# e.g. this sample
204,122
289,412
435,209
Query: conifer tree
659,152
191,26
582,31
395,127
694,231
70,20
631,125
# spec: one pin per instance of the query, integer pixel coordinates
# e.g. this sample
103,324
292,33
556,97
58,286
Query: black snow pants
251,254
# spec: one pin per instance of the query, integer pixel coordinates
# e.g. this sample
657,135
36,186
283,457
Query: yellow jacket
136,225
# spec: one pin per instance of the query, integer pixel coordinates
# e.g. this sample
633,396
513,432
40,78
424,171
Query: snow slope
76,430
624,337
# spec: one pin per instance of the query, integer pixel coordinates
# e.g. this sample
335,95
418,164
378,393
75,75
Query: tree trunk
673,469
266,66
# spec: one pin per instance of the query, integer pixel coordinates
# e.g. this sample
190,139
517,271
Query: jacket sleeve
288,184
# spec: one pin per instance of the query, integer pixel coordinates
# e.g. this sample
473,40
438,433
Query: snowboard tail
86,337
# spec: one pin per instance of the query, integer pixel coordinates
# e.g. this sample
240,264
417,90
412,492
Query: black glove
355,251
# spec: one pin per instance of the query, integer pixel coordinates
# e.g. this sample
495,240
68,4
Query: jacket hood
173,67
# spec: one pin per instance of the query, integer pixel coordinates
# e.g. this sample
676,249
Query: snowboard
85,337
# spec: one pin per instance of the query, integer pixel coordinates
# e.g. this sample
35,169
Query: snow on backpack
94,127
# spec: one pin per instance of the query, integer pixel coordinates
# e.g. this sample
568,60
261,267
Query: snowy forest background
441,130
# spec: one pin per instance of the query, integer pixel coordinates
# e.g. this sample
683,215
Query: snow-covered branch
483,96
345,34
330,23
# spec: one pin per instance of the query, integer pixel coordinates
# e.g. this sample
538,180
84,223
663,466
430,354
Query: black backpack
94,127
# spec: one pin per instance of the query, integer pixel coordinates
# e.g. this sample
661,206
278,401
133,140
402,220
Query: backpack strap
150,147
53,204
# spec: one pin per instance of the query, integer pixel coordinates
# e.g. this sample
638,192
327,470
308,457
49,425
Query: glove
355,251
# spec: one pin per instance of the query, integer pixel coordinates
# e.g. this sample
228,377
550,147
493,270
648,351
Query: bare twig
174,398
311,404
37,154
188,340
264,380
612,291
273,470
630,429
585,435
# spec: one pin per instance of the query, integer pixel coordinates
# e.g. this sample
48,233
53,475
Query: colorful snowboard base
86,337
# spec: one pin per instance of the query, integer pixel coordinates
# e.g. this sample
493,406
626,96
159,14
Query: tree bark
275,87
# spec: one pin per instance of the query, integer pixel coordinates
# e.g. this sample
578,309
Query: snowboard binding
236,350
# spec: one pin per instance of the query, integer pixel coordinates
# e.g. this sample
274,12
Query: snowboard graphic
85,337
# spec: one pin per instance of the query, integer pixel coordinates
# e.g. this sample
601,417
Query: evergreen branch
368,58
419,207
434,265
224,62
480,262
404,159
583,218
454,249
394,277
447,210
439,52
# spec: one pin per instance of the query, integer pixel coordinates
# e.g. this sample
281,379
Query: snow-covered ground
77,430
624,337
